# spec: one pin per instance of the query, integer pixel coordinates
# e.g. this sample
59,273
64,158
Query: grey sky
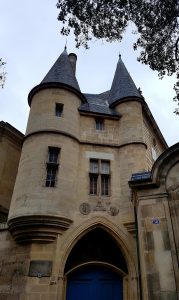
31,42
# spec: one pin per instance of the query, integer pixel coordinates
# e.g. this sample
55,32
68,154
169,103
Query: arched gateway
96,268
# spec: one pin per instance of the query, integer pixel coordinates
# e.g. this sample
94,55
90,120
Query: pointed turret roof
62,72
122,86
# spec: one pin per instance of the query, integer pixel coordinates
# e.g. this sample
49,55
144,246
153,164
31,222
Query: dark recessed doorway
95,268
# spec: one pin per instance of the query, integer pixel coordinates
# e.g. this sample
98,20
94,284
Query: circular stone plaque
85,208
113,210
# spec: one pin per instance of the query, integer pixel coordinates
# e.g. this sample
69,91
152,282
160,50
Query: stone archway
122,241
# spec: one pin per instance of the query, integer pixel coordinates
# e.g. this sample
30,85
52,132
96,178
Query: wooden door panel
94,283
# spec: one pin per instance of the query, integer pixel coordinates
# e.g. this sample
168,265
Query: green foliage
156,22
2,73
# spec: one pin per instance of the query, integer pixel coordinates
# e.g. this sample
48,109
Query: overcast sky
31,42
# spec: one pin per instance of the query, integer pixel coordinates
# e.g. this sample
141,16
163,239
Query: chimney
73,59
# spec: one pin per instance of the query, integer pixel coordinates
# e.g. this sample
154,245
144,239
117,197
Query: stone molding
60,132
119,234
10,132
37,228
52,85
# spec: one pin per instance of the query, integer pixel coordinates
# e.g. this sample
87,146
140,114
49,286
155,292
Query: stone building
10,149
94,212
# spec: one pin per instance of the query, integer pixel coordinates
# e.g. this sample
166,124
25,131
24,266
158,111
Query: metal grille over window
58,109
52,166
99,177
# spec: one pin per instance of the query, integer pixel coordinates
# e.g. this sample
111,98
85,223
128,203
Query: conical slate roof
122,86
62,72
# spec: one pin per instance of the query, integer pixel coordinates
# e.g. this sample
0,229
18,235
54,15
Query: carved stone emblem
85,208
99,207
113,210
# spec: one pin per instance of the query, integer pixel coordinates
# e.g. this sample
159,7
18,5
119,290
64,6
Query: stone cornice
37,228
85,142
7,130
52,85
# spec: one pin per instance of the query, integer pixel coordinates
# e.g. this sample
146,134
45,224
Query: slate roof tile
62,72
98,103
122,86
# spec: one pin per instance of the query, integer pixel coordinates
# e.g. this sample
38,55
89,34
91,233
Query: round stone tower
46,180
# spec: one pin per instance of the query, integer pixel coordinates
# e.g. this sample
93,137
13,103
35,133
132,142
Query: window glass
104,185
94,166
52,166
93,184
53,155
104,167
58,109
99,177
51,176
99,124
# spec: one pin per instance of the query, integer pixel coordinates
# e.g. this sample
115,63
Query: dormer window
58,109
99,124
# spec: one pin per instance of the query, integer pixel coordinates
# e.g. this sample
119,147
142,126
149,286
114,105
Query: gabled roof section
122,86
98,104
62,72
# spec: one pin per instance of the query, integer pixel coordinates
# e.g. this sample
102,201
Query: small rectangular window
104,185
99,124
51,176
52,166
104,167
53,155
93,184
58,109
94,166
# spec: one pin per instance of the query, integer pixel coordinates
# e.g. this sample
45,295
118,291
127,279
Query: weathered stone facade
55,231
10,149
157,208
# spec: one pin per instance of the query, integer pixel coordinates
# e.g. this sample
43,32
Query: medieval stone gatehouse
94,212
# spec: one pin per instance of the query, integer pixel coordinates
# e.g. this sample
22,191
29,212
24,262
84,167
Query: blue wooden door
94,283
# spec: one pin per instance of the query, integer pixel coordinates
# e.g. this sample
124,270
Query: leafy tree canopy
156,21
2,73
